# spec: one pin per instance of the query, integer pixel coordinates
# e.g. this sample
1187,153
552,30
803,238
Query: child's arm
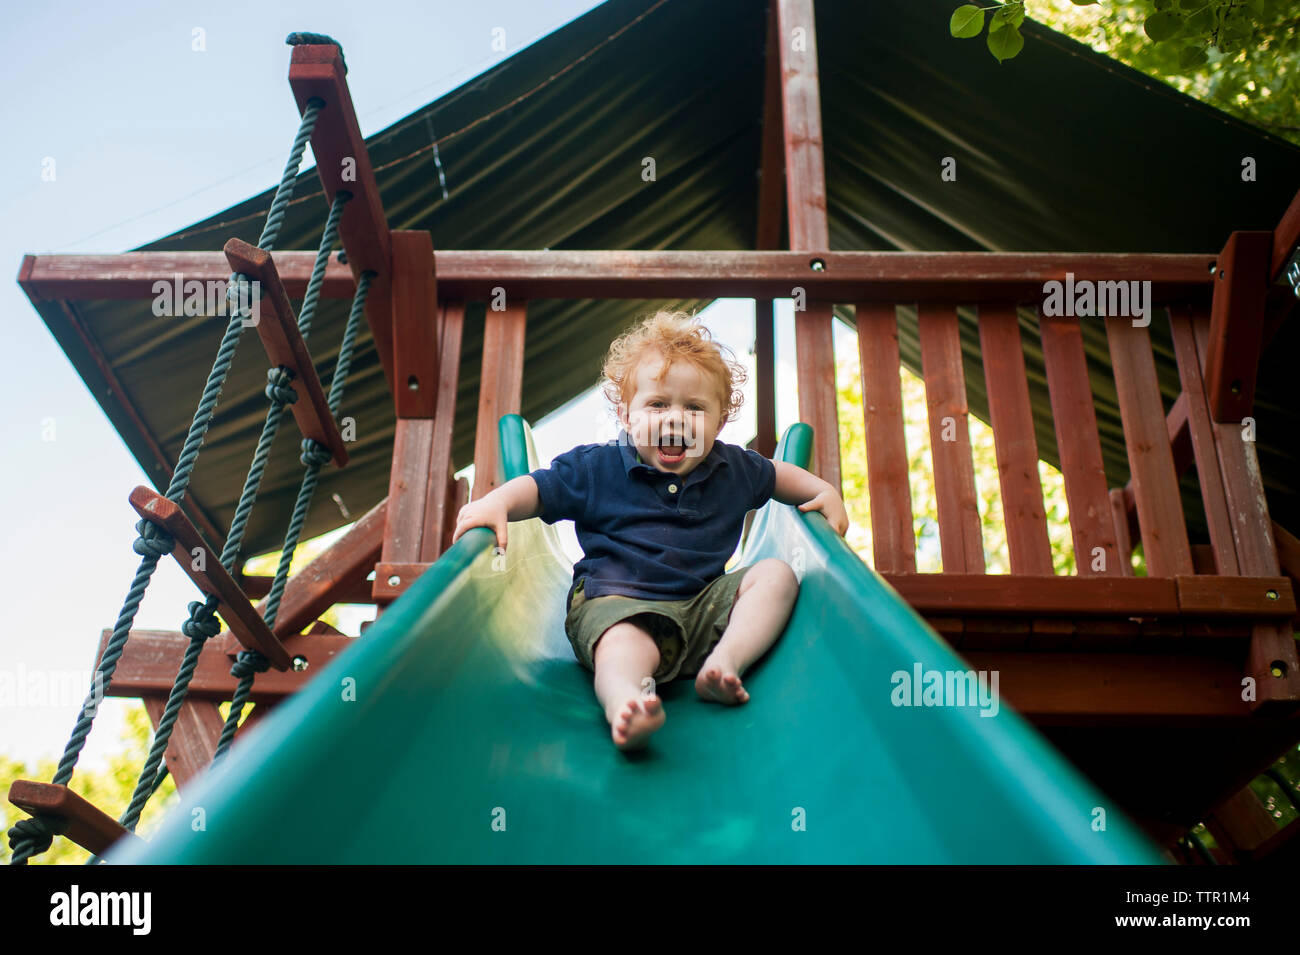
513,501
796,486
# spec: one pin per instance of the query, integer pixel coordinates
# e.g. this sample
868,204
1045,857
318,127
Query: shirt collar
632,459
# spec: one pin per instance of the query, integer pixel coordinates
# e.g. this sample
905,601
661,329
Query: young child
658,511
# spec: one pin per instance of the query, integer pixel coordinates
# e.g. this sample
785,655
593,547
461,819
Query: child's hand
829,503
489,511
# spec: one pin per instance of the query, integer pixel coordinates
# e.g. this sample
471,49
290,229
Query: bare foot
719,682
636,721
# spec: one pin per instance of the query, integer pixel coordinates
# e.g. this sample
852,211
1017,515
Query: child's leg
763,603
625,655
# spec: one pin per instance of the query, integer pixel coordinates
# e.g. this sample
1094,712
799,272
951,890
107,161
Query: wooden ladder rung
86,825
277,327
151,658
239,613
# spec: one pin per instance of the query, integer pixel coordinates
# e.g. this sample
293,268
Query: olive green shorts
685,631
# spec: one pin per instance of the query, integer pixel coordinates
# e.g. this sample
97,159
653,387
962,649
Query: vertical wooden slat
892,539
1013,436
1077,442
1151,460
806,209
438,520
500,388
765,375
960,539
1204,447
815,360
1119,518
1237,324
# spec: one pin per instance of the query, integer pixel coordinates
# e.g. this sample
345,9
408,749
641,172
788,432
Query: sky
144,132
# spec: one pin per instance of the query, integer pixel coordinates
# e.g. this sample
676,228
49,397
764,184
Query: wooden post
1285,237
806,205
771,164
500,387
771,213
415,325
414,335
1272,659
1237,324
194,736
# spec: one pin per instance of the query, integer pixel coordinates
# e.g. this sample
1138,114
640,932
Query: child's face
673,422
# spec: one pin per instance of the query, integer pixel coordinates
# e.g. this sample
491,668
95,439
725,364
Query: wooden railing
1240,592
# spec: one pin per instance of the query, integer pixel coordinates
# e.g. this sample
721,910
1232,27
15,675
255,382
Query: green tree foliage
1241,56
110,789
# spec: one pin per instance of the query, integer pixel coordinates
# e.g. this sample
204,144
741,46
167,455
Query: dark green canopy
1059,149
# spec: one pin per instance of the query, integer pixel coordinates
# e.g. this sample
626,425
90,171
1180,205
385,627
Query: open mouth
672,449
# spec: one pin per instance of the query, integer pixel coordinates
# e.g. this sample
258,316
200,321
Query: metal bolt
394,580
817,265
300,664
1271,594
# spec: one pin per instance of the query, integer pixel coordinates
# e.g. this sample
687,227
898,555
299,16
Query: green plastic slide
460,729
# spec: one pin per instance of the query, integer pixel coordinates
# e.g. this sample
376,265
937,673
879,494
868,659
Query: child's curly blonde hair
676,336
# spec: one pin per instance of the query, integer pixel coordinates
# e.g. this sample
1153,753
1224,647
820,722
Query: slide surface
460,729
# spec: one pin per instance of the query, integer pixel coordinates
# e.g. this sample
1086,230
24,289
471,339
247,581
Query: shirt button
672,488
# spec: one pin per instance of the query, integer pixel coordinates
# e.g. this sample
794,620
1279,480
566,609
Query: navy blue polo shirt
649,533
